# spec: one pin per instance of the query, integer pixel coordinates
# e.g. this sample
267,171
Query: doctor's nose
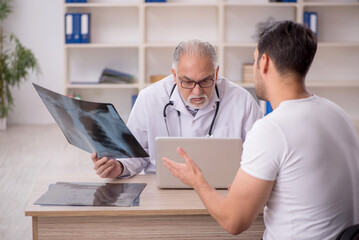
197,90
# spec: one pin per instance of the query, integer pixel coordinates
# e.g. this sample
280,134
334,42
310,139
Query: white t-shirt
236,115
310,149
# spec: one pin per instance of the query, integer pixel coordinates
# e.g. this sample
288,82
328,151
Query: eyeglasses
206,83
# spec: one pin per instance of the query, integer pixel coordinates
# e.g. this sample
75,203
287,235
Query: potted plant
16,63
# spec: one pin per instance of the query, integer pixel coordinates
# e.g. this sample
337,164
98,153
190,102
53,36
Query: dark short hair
290,45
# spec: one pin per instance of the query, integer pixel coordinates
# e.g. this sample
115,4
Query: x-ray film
92,194
91,126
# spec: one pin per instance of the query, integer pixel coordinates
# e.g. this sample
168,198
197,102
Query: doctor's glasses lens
192,84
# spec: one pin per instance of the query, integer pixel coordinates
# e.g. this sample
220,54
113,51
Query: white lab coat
237,113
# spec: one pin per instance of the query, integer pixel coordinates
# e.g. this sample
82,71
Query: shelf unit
139,38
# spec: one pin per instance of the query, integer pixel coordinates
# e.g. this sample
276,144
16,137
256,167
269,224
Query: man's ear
174,75
217,72
264,63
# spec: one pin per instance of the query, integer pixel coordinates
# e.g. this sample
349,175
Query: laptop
218,158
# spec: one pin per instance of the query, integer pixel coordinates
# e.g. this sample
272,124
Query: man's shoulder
267,123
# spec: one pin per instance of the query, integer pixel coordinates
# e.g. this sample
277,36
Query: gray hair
194,48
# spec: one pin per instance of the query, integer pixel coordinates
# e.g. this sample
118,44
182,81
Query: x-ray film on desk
92,194
91,126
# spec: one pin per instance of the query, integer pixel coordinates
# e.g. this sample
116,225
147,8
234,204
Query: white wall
38,25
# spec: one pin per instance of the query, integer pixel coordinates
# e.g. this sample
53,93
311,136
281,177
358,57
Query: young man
301,161
192,102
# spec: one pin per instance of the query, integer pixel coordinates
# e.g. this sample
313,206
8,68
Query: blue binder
69,34
134,98
314,23
77,27
85,27
306,19
269,108
311,20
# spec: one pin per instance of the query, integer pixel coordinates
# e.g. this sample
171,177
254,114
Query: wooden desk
162,214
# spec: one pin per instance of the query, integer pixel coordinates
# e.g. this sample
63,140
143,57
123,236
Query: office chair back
350,233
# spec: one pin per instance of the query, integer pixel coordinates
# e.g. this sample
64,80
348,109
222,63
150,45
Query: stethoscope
170,103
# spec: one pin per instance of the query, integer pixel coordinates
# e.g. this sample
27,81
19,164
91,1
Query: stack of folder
113,76
247,73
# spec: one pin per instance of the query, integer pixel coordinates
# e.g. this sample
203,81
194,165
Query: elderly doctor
191,102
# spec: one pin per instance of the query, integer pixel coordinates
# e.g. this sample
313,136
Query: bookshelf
139,38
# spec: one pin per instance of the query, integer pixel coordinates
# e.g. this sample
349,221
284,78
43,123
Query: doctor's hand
106,168
189,173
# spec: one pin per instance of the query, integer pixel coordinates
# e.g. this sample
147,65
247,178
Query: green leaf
16,64
5,9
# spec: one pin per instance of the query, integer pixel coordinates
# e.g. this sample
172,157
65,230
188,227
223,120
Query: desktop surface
161,214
